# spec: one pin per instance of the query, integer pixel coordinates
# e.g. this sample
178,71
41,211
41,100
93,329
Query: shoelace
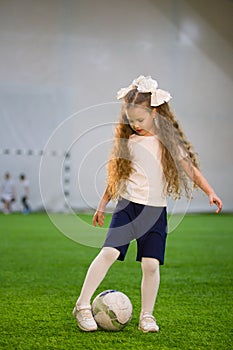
148,317
86,314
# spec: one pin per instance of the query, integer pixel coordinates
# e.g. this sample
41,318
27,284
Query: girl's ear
154,112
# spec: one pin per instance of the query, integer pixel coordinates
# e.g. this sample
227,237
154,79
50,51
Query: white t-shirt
146,184
25,185
8,190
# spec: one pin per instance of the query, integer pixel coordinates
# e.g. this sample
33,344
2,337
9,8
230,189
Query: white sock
96,273
150,285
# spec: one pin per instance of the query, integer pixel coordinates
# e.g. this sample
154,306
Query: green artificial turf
42,272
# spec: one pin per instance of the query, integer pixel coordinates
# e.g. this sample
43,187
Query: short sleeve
182,154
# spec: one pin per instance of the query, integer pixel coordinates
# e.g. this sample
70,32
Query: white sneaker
148,324
85,319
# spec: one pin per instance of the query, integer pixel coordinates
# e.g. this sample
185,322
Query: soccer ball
112,310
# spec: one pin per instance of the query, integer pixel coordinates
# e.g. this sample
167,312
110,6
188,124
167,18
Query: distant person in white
25,196
8,193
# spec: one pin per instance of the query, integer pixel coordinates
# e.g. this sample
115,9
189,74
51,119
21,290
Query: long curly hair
173,143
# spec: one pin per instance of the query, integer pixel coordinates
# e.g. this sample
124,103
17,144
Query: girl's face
141,120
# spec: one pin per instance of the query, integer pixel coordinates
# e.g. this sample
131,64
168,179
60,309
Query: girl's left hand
214,199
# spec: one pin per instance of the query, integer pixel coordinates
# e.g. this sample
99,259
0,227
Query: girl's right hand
98,218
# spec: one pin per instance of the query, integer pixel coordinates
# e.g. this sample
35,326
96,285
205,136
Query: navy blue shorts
146,224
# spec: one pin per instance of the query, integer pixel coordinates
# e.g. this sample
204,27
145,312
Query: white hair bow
146,84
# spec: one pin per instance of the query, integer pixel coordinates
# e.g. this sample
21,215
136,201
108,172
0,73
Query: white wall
61,58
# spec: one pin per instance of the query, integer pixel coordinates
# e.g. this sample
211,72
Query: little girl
151,159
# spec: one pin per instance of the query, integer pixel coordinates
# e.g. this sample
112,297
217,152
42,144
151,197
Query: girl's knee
110,253
150,265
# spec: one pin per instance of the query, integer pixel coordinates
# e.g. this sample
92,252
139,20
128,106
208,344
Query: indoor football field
42,272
